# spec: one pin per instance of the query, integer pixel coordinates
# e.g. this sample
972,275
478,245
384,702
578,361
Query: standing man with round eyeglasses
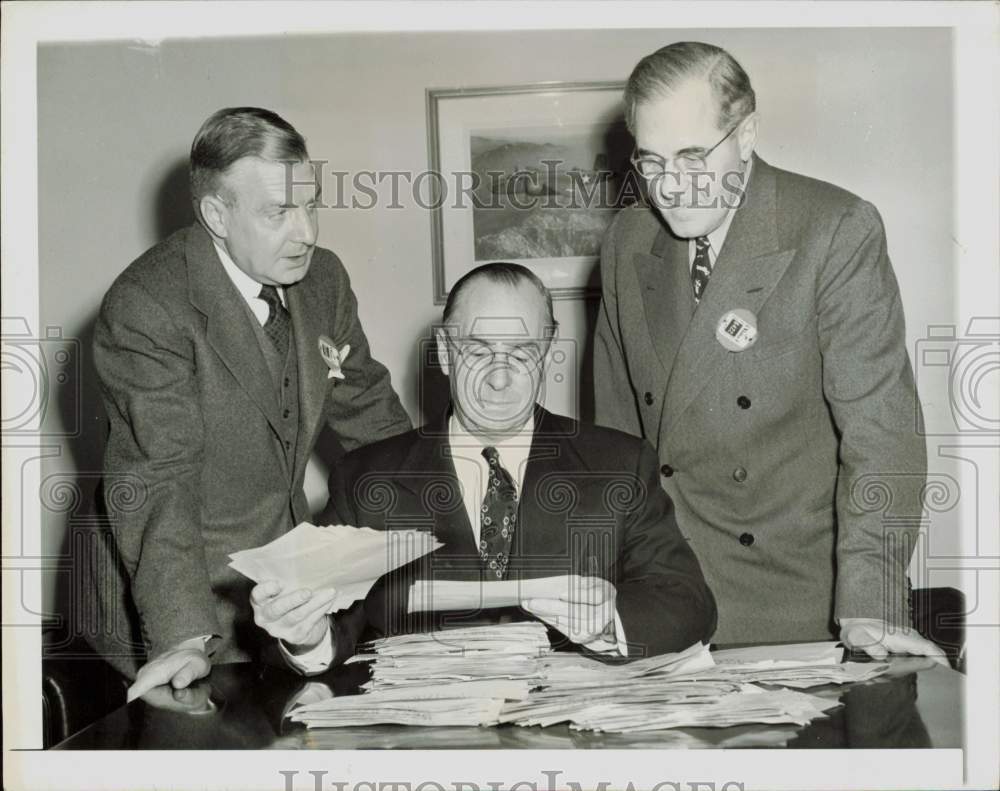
751,329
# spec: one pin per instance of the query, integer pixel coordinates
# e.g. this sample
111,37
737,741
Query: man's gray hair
502,273
662,71
233,133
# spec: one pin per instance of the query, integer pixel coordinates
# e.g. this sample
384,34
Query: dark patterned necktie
701,267
278,326
497,517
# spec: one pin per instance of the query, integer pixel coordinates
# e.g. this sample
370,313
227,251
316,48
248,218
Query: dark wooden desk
919,705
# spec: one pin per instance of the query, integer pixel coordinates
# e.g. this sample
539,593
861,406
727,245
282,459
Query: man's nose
671,186
499,374
305,227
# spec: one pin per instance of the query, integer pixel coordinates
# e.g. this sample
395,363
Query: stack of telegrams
490,675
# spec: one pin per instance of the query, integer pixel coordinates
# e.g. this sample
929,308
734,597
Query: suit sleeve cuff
316,660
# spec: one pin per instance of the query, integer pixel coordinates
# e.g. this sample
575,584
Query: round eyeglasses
476,353
652,166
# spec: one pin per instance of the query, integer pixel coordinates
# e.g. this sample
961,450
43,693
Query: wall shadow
172,209
433,390
586,384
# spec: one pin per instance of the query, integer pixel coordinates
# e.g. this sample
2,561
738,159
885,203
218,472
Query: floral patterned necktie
497,517
701,267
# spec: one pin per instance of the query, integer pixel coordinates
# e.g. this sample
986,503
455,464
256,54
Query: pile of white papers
801,666
348,559
364,710
501,652
491,675
686,689
452,677
674,704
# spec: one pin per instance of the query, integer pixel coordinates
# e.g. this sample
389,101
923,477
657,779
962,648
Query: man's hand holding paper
312,571
297,618
340,558
584,611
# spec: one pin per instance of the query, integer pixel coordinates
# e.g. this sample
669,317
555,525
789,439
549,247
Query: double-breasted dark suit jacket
795,465
195,422
590,504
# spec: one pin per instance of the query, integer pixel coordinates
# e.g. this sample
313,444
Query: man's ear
214,213
747,135
553,334
442,350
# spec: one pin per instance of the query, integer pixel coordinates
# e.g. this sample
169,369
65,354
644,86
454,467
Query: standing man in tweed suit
222,351
751,329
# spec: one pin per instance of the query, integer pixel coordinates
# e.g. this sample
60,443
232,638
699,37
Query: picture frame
531,174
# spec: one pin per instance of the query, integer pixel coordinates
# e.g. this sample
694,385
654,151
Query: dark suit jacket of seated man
513,492
590,504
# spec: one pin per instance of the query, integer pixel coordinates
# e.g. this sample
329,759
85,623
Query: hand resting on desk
178,666
195,699
873,636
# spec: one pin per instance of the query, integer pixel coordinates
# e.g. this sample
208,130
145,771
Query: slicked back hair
659,73
233,133
501,273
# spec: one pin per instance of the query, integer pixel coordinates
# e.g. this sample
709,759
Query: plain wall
869,109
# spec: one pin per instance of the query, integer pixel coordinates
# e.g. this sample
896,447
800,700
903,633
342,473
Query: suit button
666,470
746,539
739,475
287,381
286,413
288,444
743,402
648,398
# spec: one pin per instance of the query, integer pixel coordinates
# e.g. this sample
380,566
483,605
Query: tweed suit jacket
194,419
795,465
590,504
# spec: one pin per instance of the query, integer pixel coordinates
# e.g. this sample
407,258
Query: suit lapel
228,328
551,464
304,304
430,471
748,268
666,294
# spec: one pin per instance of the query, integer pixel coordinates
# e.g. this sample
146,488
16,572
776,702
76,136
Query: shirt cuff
198,643
843,622
316,660
605,644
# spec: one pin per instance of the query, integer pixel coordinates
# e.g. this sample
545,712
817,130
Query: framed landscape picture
532,174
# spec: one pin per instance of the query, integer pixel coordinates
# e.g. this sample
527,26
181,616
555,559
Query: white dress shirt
248,287
473,470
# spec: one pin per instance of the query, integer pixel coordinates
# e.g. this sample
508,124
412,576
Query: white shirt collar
246,285
515,445
472,468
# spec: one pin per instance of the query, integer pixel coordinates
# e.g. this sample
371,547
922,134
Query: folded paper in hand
348,559
428,595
